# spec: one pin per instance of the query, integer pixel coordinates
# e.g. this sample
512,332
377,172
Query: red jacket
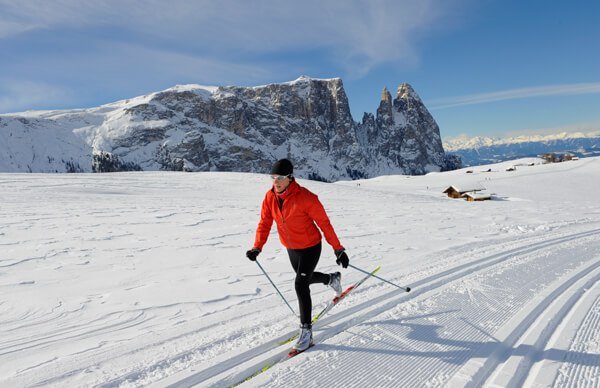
295,220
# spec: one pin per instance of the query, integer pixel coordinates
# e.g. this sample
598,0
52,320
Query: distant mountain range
230,128
485,150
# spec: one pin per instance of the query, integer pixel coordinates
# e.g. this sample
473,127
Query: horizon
492,69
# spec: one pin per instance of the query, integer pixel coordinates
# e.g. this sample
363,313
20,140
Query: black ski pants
304,262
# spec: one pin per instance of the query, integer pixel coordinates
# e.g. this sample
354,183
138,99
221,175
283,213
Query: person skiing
296,210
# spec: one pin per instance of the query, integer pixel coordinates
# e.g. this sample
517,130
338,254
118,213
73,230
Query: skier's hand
342,258
252,254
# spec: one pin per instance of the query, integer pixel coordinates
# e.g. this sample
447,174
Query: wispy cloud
120,70
514,94
104,50
357,34
126,63
11,27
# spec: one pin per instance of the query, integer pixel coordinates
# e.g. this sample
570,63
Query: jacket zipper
285,228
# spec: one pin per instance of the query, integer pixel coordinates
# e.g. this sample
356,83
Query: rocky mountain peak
231,128
384,116
386,97
405,91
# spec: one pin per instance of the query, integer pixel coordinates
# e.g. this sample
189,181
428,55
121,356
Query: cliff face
195,128
403,136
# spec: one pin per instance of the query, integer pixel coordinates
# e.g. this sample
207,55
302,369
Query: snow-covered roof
463,190
474,195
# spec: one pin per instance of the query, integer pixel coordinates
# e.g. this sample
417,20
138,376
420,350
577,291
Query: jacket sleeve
316,211
264,225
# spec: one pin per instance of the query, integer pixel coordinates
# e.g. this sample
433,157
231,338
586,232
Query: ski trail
123,298
577,370
510,365
574,334
219,356
437,328
238,368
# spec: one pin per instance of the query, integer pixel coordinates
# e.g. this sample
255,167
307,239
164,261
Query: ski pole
277,289
407,289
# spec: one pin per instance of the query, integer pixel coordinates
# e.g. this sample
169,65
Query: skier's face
280,184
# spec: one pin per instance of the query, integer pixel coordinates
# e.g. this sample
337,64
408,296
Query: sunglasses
280,177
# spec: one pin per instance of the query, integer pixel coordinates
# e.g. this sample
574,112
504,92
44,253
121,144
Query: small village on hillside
476,194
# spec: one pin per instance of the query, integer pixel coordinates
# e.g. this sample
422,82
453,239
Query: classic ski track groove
541,315
574,333
421,289
438,371
572,372
552,329
443,370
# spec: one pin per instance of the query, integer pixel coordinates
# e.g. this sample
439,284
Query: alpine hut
455,192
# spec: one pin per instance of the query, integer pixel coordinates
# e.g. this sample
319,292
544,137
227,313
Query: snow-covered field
135,279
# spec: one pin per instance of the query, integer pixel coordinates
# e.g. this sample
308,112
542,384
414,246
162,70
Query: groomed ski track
134,280
486,341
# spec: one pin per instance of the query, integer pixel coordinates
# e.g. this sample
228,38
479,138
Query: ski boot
305,338
335,282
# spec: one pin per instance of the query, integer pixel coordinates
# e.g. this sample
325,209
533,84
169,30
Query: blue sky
482,67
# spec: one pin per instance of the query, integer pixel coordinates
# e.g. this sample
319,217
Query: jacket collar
291,190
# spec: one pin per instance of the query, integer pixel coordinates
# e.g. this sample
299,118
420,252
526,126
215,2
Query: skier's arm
316,211
264,225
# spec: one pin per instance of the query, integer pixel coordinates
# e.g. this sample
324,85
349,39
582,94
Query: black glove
342,258
252,254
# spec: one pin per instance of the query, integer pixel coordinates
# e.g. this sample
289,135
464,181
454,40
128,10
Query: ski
344,294
332,303
328,307
295,352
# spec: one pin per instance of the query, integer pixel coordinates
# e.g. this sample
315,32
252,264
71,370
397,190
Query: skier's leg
314,253
295,258
333,280
304,262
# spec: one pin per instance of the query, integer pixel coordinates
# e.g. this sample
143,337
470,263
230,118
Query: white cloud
121,62
125,71
358,34
513,94
126,63
104,50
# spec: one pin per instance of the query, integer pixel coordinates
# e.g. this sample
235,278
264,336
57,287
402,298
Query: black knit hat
282,167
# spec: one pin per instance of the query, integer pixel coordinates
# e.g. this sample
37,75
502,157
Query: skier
296,210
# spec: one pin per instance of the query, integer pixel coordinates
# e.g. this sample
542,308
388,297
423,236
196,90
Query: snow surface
133,279
303,79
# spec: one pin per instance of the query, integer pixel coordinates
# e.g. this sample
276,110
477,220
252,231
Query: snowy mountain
482,150
140,279
199,128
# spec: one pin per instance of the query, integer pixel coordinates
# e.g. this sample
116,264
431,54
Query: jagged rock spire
384,112
405,91
386,96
